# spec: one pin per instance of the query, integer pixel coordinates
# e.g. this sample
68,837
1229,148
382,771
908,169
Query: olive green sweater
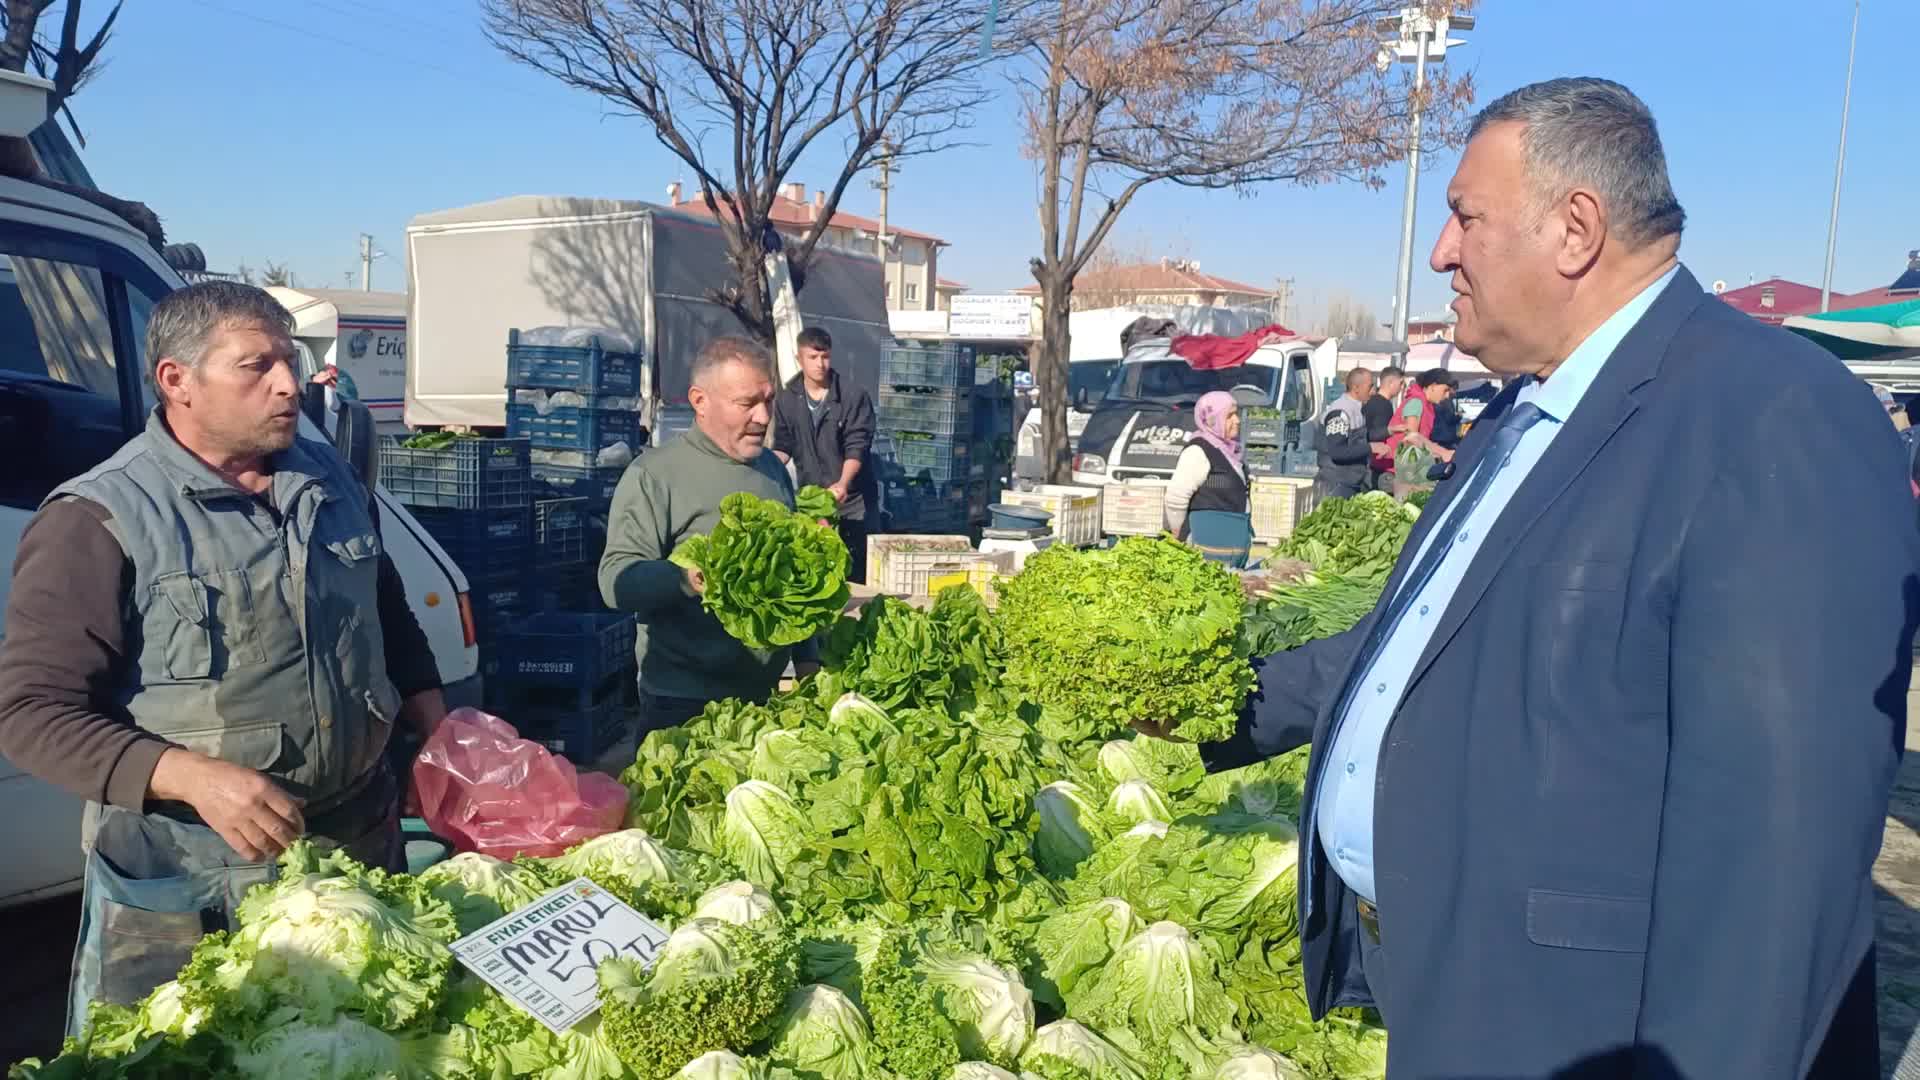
666,496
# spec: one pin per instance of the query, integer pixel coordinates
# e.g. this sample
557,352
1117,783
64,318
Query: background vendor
1210,474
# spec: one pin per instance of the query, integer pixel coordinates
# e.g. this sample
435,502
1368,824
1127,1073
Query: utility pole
1421,35
368,253
1839,165
885,184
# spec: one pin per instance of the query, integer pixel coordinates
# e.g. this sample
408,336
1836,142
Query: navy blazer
1628,809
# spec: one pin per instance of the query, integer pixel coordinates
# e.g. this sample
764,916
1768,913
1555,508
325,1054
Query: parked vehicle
645,272
77,284
364,335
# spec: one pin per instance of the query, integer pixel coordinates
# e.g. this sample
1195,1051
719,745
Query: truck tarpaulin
1207,352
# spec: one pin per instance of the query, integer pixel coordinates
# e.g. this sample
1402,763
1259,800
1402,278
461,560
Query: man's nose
1446,249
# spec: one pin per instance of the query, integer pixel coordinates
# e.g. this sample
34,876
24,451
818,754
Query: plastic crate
560,532
585,430
486,544
578,733
1264,427
467,474
946,412
574,589
902,564
582,369
1265,461
595,485
1300,463
947,365
938,460
498,605
670,422
1278,504
1136,509
576,652
1075,510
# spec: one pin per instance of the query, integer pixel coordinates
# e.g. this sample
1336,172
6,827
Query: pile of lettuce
1361,536
774,576
911,866
1146,631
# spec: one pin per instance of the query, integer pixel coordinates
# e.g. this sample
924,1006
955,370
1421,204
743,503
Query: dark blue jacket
1628,810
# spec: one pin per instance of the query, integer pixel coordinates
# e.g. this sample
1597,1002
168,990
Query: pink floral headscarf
1210,418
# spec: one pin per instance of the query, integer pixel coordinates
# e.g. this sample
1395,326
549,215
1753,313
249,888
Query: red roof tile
798,214
1169,277
1789,298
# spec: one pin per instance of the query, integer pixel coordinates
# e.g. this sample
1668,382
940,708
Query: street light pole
1421,36
1839,165
1403,280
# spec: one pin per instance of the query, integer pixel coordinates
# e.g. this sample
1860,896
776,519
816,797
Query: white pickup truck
77,284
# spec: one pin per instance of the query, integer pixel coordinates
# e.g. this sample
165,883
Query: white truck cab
1137,430
77,284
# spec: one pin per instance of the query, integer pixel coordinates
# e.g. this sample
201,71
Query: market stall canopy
1881,332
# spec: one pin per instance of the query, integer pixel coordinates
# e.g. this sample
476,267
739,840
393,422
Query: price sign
543,956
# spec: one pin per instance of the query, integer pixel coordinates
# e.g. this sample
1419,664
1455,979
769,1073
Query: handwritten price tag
543,956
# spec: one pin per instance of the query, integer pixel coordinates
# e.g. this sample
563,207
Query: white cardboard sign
543,956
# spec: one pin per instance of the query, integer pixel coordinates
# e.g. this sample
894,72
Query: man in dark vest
206,641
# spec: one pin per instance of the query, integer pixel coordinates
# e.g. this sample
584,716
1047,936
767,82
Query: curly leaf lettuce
773,577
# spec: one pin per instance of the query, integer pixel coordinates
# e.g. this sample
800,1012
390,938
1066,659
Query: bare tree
1119,94
64,61
1348,318
741,90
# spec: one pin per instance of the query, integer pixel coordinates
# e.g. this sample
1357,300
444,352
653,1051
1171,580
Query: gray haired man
206,642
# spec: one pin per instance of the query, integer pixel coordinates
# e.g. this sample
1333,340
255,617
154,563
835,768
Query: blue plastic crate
937,412
483,543
585,430
498,602
946,365
468,474
578,733
569,481
1265,461
560,531
570,589
939,460
585,370
670,422
567,651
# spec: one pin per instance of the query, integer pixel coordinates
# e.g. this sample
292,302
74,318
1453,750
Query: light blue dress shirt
1343,810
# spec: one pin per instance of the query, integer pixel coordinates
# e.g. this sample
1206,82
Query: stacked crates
474,497
571,403
926,450
1264,434
562,679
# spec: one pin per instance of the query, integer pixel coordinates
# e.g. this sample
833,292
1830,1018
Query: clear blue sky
281,131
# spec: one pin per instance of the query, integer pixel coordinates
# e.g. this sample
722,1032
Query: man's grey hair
730,350
184,322
1596,134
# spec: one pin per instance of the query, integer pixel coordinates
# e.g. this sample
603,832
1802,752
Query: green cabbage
1135,802
773,577
1077,942
1160,982
480,888
1256,1063
740,902
990,1007
346,1049
823,1036
1064,1050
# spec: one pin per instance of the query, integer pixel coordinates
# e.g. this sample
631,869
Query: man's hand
249,811
1154,731
839,491
696,580
785,458
424,711
1380,449
326,376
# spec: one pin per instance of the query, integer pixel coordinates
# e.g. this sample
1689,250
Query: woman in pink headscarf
1210,474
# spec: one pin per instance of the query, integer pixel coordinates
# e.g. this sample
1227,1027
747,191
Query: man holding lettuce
686,657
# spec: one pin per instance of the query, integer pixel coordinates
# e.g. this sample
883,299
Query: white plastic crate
1134,509
901,564
1278,503
1075,510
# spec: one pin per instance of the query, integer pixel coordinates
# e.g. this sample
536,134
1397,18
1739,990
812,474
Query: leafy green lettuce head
740,902
1069,827
721,1065
764,831
1257,1063
480,888
1174,768
1148,630
990,1007
629,855
1135,802
1064,1050
981,1070
712,986
346,1049
823,1034
773,577
1160,982
1077,942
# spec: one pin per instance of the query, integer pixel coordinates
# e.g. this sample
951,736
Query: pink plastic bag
486,789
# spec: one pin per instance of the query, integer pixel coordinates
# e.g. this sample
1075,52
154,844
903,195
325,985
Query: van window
1176,380
1296,393
1092,376
60,409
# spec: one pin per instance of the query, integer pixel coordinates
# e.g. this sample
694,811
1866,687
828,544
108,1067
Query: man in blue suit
1597,789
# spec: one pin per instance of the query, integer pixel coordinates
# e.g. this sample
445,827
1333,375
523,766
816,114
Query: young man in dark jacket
824,431
1345,446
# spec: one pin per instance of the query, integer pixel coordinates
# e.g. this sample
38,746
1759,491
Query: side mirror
351,427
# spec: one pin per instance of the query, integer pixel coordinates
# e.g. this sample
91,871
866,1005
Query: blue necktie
1492,460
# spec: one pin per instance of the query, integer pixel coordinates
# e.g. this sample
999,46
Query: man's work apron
154,886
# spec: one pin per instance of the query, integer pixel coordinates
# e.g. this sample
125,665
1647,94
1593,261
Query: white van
364,335
77,284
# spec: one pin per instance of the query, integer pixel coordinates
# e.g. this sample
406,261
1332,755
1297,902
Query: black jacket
820,445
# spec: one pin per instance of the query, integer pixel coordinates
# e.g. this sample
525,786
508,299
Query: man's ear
172,380
697,397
